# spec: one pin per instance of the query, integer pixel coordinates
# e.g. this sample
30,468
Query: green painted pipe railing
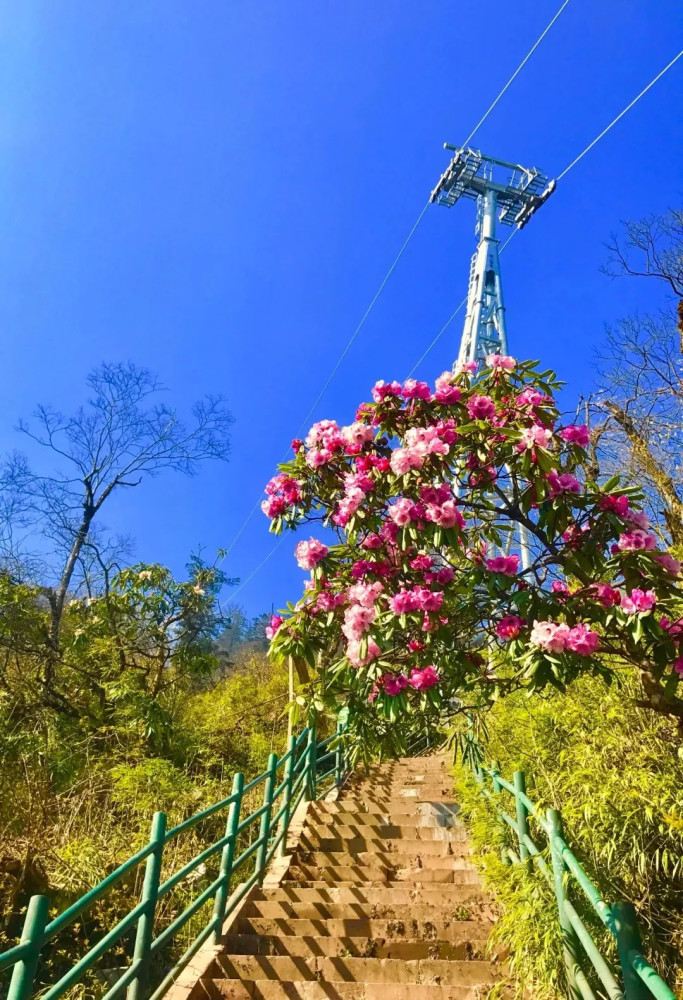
639,981
307,765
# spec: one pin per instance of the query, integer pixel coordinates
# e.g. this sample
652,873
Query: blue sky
216,190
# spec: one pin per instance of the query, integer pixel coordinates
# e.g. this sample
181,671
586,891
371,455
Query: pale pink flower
444,390
358,433
637,541
532,397
327,601
501,362
364,594
638,600
405,459
481,407
670,564
469,367
551,636
308,554
639,518
371,541
582,640
357,620
563,483
403,512
422,680
412,389
445,516
535,437
353,653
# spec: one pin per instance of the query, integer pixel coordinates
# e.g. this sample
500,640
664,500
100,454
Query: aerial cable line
383,283
619,116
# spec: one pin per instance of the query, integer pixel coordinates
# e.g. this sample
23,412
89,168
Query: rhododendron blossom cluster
462,552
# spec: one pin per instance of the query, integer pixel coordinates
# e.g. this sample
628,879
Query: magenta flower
605,595
508,627
394,683
383,389
371,541
618,505
678,665
444,390
531,397
638,600
582,640
481,407
445,516
421,562
576,434
404,602
637,541
413,389
507,565
424,679
564,483
273,626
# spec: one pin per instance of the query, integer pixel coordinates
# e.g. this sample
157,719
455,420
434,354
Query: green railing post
570,944
264,832
497,789
312,763
227,857
628,941
339,757
289,771
150,888
522,821
23,974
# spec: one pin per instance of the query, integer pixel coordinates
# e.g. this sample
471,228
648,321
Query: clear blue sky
215,190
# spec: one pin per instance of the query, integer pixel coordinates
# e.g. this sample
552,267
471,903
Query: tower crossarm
519,190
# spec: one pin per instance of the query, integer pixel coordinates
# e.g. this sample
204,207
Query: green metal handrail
301,778
639,979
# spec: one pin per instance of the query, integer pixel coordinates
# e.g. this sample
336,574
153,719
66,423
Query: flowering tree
422,604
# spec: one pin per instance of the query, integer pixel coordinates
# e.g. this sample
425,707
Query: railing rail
639,979
304,769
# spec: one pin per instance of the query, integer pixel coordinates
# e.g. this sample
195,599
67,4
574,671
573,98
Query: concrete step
359,847
382,832
426,815
390,947
438,928
387,859
389,893
270,989
368,970
366,873
468,905
394,809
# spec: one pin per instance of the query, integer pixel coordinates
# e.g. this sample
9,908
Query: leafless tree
637,415
124,433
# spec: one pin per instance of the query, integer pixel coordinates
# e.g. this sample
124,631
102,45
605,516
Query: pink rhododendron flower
534,437
353,653
671,565
501,362
383,389
444,390
573,536
551,636
638,600
415,646
678,665
364,594
507,565
618,505
357,620
273,626
371,541
508,627
327,601
445,516
394,684
424,679
405,459
637,541
358,433
413,389
428,600
421,562
404,511
404,602
308,554
531,397
559,587
605,595
442,576
373,693
576,434
469,367
481,407
582,640
283,492
564,483
639,519
426,441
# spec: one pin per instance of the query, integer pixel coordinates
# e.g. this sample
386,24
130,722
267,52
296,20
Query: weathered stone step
393,808
380,832
426,815
366,873
389,893
468,904
406,949
387,859
359,847
439,928
367,970
271,989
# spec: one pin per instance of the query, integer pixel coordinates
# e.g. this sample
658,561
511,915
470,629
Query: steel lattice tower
504,192
507,193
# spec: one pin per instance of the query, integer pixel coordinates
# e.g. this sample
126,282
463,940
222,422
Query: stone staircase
379,902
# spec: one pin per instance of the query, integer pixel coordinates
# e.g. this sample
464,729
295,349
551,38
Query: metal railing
639,979
307,764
